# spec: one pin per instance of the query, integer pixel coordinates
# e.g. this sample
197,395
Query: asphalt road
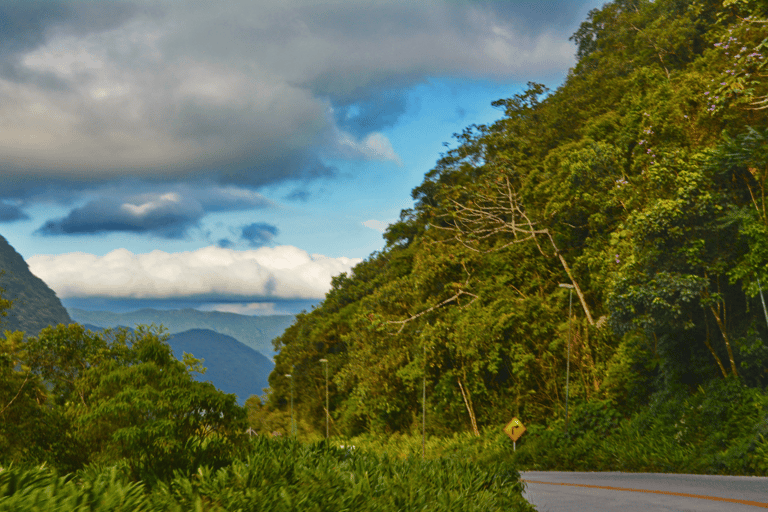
556,491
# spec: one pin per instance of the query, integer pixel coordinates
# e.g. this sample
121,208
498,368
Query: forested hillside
640,182
35,305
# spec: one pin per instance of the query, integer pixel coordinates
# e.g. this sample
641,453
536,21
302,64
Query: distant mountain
231,366
256,332
36,306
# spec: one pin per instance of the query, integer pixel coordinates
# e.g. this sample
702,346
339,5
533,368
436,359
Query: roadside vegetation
613,231
622,215
276,474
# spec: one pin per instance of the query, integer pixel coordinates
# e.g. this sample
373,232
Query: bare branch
26,378
500,212
446,301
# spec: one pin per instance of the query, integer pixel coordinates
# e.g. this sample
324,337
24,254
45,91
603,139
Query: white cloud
283,272
250,308
378,225
376,146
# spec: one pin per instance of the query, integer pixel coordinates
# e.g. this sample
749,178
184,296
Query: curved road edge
556,491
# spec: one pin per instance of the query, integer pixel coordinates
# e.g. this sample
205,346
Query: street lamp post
292,424
327,411
424,407
568,362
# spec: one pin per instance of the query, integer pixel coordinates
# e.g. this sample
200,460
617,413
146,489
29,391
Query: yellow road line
685,495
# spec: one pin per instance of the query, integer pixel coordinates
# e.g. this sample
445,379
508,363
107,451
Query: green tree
141,405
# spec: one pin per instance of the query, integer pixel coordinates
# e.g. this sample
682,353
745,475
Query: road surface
556,491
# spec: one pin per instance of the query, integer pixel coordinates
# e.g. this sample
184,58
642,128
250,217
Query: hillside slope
35,304
231,366
609,237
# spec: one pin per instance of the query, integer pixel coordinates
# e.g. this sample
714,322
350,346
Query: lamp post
424,407
762,299
568,362
327,411
292,424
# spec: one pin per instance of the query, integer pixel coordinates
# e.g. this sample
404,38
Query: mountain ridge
231,366
256,332
35,305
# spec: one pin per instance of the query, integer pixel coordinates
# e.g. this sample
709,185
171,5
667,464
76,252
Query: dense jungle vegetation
640,183
112,421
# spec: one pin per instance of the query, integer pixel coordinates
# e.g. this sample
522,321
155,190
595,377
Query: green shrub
280,475
719,429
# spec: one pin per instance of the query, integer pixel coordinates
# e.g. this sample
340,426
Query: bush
719,429
280,475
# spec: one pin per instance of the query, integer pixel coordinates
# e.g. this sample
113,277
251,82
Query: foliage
720,429
83,397
281,475
43,489
639,182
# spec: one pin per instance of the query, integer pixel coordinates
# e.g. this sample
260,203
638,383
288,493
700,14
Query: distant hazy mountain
36,305
231,366
256,332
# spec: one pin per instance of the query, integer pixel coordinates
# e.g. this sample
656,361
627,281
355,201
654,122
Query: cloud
258,233
10,212
250,308
167,214
212,274
241,92
377,225
374,147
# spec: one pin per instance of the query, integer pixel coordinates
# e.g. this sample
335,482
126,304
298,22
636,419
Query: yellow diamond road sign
514,429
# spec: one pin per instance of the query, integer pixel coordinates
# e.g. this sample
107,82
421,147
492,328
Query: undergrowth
279,475
720,429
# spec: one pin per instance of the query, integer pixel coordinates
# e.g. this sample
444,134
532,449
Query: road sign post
514,430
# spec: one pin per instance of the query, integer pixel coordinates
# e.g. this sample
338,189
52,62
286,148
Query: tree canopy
640,182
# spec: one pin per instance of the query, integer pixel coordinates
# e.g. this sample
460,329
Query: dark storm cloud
11,213
258,234
170,214
370,113
23,24
164,217
238,92
27,25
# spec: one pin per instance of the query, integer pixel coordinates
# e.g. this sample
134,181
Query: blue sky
235,155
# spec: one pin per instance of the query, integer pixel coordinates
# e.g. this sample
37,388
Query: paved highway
556,491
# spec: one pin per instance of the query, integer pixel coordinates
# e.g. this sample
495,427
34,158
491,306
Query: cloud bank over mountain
209,274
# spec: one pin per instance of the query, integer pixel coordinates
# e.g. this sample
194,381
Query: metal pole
424,407
765,311
568,363
292,424
327,411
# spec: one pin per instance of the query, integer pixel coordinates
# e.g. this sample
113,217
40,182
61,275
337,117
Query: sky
236,155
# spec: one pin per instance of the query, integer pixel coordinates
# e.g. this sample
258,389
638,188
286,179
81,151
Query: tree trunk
721,326
470,409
